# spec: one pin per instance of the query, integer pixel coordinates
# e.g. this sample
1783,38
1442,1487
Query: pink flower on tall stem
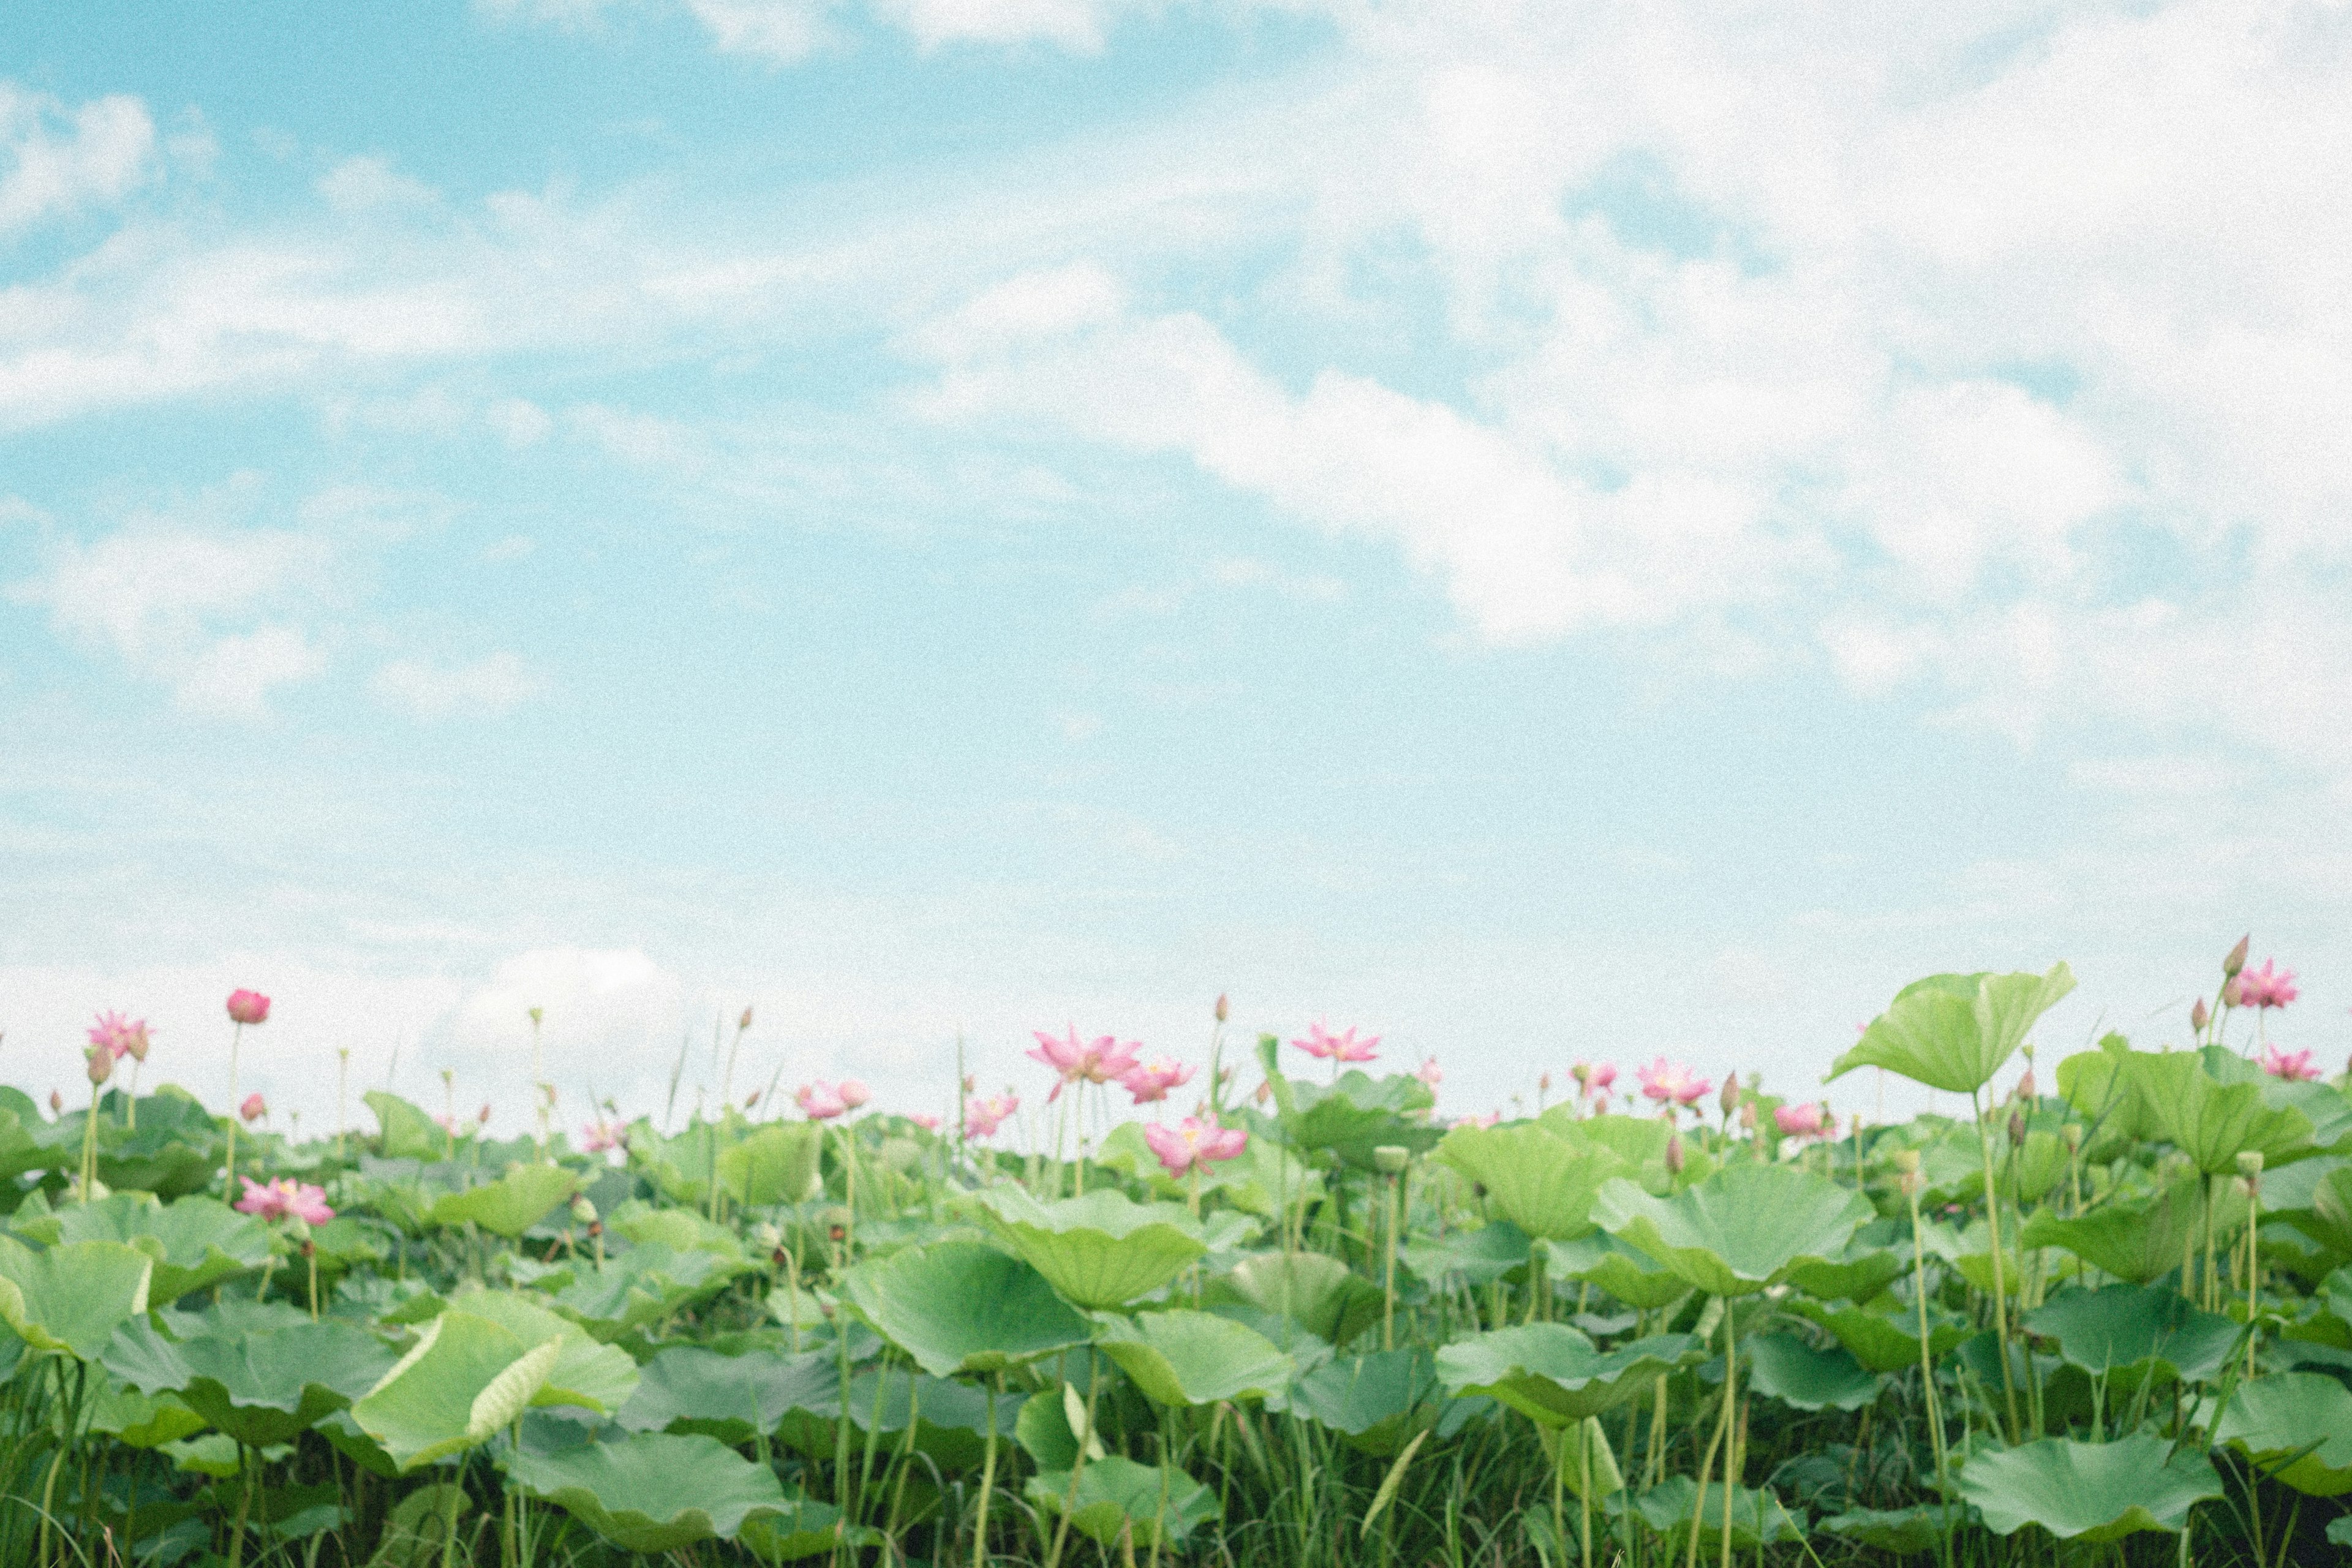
1193,1143
1098,1061
820,1102
925,1120
599,1137
1603,1074
1481,1119
285,1198
1663,1081
853,1091
249,1007
254,1109
100,1063
1430,1073
1151,1081
2297,1067
121,1035
2267,987
1324,1046
982,1118
1800,1120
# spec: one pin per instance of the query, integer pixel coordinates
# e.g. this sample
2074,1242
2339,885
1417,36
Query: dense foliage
2105,1318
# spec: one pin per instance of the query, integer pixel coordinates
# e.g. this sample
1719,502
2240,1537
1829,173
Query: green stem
1999,1287
987,1477
1927,1373
1078,1467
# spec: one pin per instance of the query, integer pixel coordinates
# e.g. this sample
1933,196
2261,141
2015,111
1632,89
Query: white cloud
493,685
519,422
55,164
778,30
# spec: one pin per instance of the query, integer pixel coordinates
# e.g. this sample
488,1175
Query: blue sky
1542,531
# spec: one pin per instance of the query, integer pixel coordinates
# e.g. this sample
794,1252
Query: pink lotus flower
254,1109
1663,1081
285,1199
1430,1073
121,1035
1800,1120
249,1007
1599,1076
923,1119
853,1091
1152,1080
1193,1143
1325,1046
455,1126
1481,1119
820,1102
101,1063
2266,986
982,1118
1101,1062
2298,1067
599,1137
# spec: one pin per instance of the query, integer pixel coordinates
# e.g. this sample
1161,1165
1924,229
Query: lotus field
1271,1311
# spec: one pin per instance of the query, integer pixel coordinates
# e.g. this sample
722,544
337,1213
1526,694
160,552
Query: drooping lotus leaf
950,1419
776,1165
1911,1531
71,1298
175,1150
466,1379
1543,1184
512,1204
2101,1086
1856,1274
2136,1242
1581,1455
1183,1357
195,1242
2326,1216
960,1306
680,1230
598,1377
1742,1229
2213,1123
2327,1109
1376,1401
2130,1332
1796,1374
1480,1255
1046,1426
1884,1336
1953,1032
258,1386
1100,1252
406,1133
1117,1497
2297,1425
638,1287
734,1398
1628,1273
2089,1491
1313,1290
138,1421
1552,1373
1758,1518
654,1492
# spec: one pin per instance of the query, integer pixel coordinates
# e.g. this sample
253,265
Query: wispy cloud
495,684
56,162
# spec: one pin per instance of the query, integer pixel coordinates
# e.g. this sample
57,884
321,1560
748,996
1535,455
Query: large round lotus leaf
2326,1216
776,1165
1118,1499
1480,1255
1740,1231
466,1379
195,1242
1796,1374
960,1306
1376,1401
512,1204
2213,1123
640,1285
734,1398
2089,1492
1552,1375
805,1528
654,1492
596,1376
175,1150
1313,1290
1100,1252
1856,1274
137,1421
1540,1183
72,1297
2133,1332
950,1419
2101,1086
1903,1532
2137,1242
1195,1358
1885,1338
407,1134
2296,1424
259,1387
1954,1031
1628,1273
1758,1518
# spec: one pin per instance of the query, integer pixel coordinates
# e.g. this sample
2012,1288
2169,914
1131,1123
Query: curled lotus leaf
1184,1358
71,1298
2089,1491
466,1379
654,1492
1794,1372
2297,1425
1953,1032
196,1242
1317,1292
2213,1123
510,1205
2130,1332
1118,1500
963,1307
1740,1231
1553,1375
597,1377
1099,1251
259,1387
1540,1182
2134,1242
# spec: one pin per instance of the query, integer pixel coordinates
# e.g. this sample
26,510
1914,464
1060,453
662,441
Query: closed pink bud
1674,1155
254,1109
1224,1008
57,1102
249,1007
2237,959
2200,1016
101,1063
854,1092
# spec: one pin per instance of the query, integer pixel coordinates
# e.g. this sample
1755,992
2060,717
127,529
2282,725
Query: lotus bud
2025,1088
2200,1016
1910,1182
101,1063
1674,1155
582,1211
483,1115
1224,1008
1748,1117
744,1022
56,1102
2230,993
1390,1160
1729,1098
2073,1133
767,1234
536,1015
2237,959
2016,1129
2250,1163
1907,1161
1263,1091
1543,1083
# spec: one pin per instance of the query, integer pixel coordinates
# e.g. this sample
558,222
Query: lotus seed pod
582,1210
2250,1163
2072,1133
1388,1159
2237,959
537,1014
1907,1161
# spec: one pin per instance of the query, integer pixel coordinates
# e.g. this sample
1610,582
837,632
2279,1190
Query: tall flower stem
236,1039
1999,1286
1928,1362
1731,1453
90,1146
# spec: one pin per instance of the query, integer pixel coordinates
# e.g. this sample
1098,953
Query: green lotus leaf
466,1379
512,1204
950,1419
2101,1086
1911,1531
1313,1290
2297,1425
1628,1273
1639,1141
2339,1530
804,1529
406,1133
1969,1249
680,1230
1742,1229
195,1242
72,1297
1758,1518
2327,1108
1117,1497
1884,1335
960,1306
2325,1216
1543,1184
654,1492
596,1376
1856,1274
1581,1453
138,1421
2136,1243
734,1398
1553,1375
2213,1123
259,1387
1046,1428
776,1165
1953,1032
1376,1401
1480,1255
1195,1358
1100,1252
640,1285
2089,1491
2129,1333
1796,1374
174,1150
